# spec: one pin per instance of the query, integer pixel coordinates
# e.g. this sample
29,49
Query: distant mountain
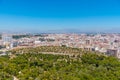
67,31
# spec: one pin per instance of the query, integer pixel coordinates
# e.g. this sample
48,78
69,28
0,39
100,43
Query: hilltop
32,64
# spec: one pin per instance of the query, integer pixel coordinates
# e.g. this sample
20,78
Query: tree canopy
32,66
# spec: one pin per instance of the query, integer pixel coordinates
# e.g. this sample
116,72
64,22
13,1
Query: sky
60,15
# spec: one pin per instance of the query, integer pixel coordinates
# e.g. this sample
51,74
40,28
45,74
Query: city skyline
59,16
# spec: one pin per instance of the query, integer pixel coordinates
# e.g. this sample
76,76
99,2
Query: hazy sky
43,15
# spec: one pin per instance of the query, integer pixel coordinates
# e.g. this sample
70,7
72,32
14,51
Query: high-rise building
7,40
88,42
112,52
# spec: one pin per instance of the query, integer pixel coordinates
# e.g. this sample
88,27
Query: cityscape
108,44
59,39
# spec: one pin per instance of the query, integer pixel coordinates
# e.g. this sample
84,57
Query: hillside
51,50
32,65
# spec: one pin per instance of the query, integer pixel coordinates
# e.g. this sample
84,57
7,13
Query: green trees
88,66
51,49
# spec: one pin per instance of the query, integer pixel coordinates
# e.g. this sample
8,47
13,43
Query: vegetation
20,36
40,35
32,65
53,49
48,40
0,36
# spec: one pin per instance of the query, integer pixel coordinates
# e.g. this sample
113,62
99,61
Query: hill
32,65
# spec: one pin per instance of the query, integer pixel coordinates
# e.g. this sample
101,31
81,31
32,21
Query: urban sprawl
105,43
